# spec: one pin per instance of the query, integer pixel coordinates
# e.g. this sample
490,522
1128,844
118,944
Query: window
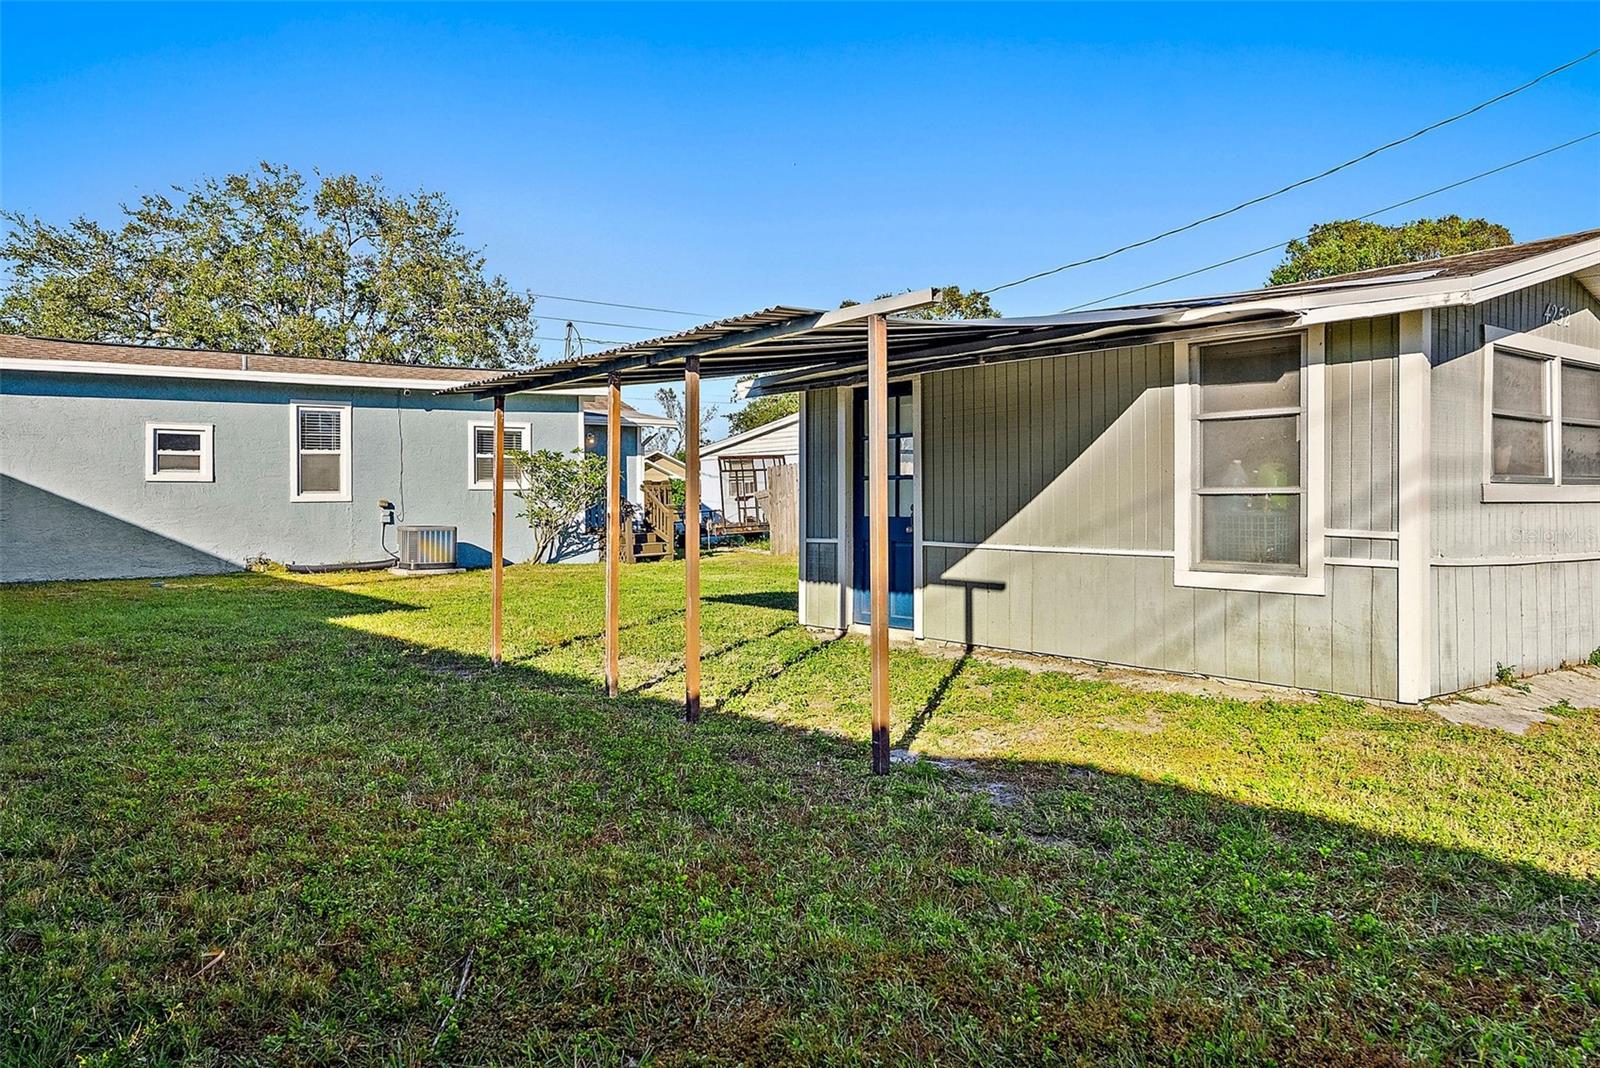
1249,464
321,469
481,473
177,452
1542,414
1248,450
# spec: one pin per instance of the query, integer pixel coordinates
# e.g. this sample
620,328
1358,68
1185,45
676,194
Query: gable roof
785,426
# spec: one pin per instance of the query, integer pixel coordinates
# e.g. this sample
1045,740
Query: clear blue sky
722,158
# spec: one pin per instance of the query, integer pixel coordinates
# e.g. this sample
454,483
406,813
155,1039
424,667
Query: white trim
207,432
1370,535
472,452
1352,561
1514,561
1414,621
916,507
1313,477
345,427
145,370
1554,354
1065,550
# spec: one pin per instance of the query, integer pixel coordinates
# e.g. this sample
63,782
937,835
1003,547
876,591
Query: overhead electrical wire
1360,218
633,307
1297,184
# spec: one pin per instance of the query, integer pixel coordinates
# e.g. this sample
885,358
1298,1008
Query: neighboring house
125,460
1385,484
733,471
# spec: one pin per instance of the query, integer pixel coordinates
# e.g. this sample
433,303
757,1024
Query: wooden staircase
649,533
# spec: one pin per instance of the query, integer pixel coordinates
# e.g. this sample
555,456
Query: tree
556,489
671,439
763,410
262,262
953,303
1346,245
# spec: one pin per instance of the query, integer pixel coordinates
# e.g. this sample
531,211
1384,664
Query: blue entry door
902,496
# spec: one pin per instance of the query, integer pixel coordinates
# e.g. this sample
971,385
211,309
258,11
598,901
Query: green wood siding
1533,613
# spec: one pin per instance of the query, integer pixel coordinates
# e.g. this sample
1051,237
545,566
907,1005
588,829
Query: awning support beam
497,581
613,526
878,533
691,539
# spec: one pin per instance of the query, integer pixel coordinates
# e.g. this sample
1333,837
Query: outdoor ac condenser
423,548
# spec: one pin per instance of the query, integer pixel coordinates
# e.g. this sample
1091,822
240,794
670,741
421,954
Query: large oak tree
1346,245
339,267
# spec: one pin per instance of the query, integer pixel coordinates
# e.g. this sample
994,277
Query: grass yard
299,820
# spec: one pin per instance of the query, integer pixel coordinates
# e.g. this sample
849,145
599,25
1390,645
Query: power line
633,307
1360,218
1302,182
601,322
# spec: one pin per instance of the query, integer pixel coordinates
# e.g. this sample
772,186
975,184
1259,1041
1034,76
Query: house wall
1047,525
74,502
1512,584
821,602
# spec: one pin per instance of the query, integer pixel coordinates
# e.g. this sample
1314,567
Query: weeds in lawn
253,820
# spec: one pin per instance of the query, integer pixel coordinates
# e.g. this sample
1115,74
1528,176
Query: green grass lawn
300,820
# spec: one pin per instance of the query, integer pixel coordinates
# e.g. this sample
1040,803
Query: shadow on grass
782,600
240,774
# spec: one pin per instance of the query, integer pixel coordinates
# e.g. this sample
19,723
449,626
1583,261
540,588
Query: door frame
844,476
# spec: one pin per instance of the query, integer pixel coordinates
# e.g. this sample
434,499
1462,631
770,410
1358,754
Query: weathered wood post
613,525
497,581
691,539
878,527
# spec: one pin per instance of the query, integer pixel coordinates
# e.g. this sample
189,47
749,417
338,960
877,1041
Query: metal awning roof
789,348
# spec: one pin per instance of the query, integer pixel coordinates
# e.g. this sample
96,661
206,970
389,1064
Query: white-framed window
178,452
1541,419
320,467
1249,463
480,459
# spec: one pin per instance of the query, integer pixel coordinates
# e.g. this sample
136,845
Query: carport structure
788,349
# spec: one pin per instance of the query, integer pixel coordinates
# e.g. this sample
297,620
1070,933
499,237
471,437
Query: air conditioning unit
424,548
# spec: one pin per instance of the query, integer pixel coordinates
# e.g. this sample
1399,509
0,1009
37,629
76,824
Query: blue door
902,495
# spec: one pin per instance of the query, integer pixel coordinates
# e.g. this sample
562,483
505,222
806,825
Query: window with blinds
1249,455
483,454
322,455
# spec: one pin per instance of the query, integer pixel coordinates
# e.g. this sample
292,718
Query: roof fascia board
142,370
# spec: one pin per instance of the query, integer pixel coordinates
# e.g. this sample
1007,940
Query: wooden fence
782,507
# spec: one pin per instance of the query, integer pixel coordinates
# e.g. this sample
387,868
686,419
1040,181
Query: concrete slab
1518,706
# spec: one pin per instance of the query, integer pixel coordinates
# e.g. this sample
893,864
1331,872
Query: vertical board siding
819,560
1519,609
1076,453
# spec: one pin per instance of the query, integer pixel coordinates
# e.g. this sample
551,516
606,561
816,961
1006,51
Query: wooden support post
497,580
613,526
878,527
691,539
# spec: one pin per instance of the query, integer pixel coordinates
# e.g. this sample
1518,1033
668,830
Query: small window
482,472
1544,419
177,452
1249,454
322,453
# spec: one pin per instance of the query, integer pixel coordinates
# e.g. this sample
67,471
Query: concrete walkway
1517,707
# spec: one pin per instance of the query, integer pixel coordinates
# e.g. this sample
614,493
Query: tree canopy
761,411
266,261
1346,245
673,439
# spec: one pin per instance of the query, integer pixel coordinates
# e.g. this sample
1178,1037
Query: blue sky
721,158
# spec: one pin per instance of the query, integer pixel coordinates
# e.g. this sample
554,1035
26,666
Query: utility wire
1360,218
1302,182
601,322
633,307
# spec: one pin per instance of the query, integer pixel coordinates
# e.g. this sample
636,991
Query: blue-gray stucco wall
74,502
